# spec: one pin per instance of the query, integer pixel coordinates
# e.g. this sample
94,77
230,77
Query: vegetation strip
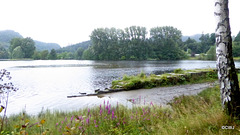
178,77
199,114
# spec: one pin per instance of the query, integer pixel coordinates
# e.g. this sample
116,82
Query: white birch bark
227,76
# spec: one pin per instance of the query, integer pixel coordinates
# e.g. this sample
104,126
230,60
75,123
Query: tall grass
200,114
178,77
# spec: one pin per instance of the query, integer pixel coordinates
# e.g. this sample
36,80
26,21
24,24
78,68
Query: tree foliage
132,43
53,55
18,53
24,47
237,38
3,52
165,43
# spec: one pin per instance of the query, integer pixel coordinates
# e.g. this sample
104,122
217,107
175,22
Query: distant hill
40,46
196,37
7,35
74,47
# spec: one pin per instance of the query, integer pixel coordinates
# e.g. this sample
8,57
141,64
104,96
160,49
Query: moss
179,71
179,77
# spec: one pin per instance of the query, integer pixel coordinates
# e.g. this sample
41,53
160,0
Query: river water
45,84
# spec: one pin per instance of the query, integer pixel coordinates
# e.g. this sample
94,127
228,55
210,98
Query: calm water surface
46,84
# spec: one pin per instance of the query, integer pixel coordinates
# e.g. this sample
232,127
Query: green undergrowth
199,114
178,77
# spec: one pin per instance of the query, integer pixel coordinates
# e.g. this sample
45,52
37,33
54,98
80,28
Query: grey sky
72,21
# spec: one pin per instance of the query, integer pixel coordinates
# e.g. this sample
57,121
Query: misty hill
195,37
7,35
40,46
74,47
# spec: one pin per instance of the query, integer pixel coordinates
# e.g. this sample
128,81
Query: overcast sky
71,21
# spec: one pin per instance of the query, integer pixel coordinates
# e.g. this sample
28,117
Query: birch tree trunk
227,76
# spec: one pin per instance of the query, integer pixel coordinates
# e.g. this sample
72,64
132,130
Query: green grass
178,77
199,114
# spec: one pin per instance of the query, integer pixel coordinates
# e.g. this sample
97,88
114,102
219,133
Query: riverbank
159,95
178,77
198,114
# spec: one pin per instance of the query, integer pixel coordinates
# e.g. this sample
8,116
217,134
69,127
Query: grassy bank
178,77
199,114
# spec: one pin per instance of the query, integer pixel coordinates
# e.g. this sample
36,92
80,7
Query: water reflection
48,83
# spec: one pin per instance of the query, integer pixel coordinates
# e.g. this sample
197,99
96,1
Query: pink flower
87,121
65,118
100,112
112,114
88,111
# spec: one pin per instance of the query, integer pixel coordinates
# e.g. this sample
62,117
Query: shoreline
159,95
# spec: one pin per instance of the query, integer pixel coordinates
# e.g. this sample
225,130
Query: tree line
134,43
131,43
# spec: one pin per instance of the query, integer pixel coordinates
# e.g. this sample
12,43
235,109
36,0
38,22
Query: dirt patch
160,95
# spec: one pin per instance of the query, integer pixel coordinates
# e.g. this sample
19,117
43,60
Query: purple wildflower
65,118
87,121
96,125
109,111
88,111
112,114
100,112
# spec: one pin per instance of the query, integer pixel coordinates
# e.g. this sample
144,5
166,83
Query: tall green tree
44,55
236,49
165,42
207,40
18,53
79,53
237,38
53,54
211,53
15,42
3,53
227,75
28,47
